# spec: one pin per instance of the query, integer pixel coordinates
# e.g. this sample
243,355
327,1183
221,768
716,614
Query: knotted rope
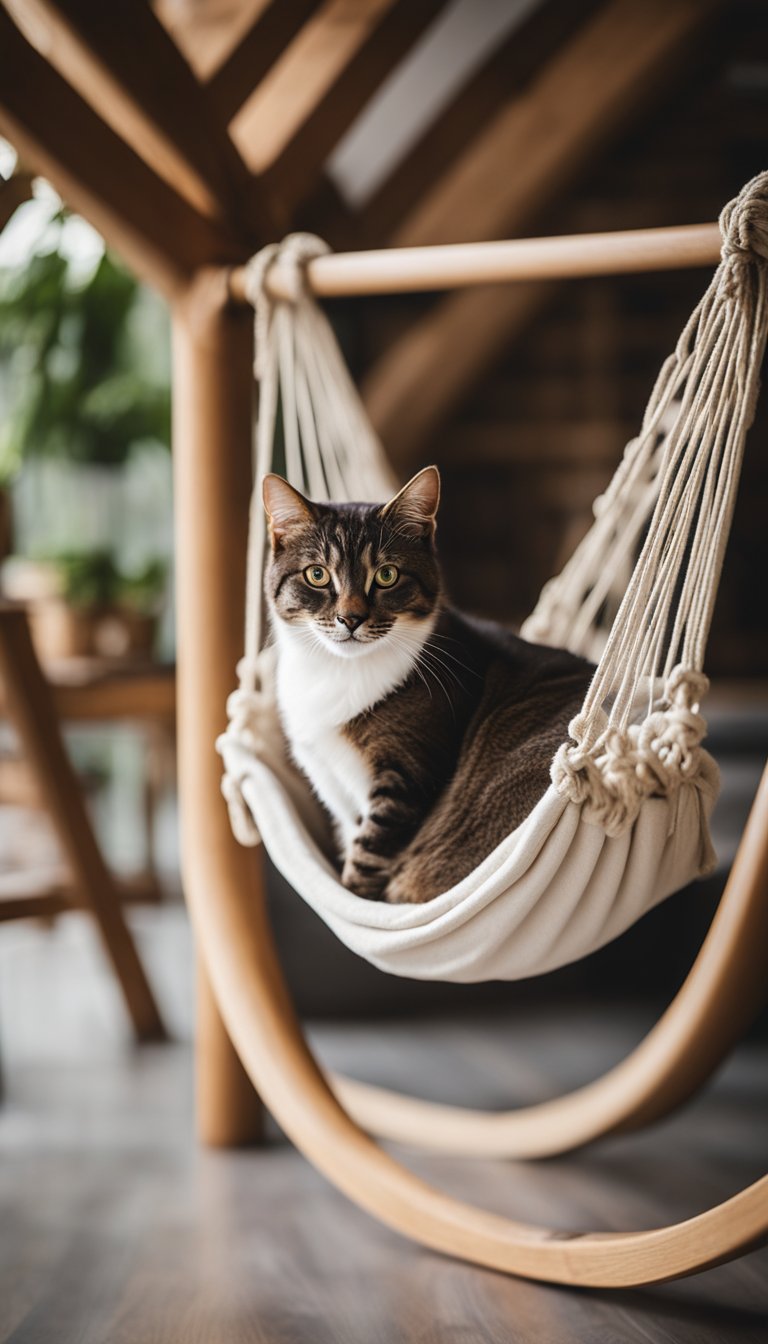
312,427
640,729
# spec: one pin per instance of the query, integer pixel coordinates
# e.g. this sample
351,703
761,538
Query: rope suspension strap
640,729
312,428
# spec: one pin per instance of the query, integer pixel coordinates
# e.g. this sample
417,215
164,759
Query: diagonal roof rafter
271,33
123,62
516,61
311,96
582,98
59,135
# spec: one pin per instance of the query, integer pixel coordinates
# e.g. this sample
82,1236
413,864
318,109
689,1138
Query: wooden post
213,391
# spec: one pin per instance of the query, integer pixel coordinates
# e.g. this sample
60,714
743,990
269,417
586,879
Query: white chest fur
318,692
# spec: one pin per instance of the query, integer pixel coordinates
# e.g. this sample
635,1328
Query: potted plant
81,604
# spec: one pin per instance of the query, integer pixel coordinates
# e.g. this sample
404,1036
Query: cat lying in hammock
427,735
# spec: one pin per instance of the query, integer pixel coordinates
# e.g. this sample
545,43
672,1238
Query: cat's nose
351,619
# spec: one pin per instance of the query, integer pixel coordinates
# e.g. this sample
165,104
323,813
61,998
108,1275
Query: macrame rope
309,407
640,728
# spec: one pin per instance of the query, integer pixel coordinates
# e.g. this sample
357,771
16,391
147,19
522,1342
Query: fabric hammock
625,820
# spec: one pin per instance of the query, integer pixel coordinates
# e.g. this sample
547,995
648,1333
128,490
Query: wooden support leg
32,712
229,1111
213,392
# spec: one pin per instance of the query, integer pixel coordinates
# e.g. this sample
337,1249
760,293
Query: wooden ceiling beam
207,31
121,59
270,34
299,165
159,234
301,109
514,63
547,132
530,152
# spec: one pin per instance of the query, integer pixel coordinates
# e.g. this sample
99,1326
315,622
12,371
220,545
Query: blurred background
190,133
451,122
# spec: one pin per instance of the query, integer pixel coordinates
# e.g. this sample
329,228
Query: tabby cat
427,735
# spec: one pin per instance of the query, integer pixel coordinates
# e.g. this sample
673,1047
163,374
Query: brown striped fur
459,751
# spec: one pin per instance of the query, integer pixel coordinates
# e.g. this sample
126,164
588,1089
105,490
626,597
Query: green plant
94,579
81,385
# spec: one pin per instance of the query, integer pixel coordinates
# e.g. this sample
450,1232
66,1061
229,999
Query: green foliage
78,389
94,579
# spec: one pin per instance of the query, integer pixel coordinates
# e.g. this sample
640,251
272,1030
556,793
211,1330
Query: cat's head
353,575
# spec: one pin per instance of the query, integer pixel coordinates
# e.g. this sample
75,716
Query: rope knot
294,254
586,728
685,688
744,227
669,740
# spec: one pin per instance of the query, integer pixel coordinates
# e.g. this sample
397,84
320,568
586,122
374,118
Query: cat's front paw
364,879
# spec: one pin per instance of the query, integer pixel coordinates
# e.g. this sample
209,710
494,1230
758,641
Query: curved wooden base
226,900
232,927
724,989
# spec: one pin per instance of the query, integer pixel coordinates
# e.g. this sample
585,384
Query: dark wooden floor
115,1227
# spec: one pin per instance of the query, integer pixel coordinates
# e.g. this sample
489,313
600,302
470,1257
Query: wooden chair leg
32,712
725,988
226,896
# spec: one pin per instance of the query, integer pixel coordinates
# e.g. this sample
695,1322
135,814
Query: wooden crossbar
454,266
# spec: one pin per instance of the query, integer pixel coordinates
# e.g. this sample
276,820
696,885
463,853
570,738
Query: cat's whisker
446,671
435,657
431,672
401,643
425,668
446,653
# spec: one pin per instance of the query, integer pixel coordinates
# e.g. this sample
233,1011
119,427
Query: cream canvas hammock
625,820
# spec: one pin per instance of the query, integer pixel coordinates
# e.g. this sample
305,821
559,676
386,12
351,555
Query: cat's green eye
317,576
386,576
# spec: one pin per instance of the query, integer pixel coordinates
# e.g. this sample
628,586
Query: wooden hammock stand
155,164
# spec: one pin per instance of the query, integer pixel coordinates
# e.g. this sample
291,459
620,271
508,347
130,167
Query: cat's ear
286,508
415,506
